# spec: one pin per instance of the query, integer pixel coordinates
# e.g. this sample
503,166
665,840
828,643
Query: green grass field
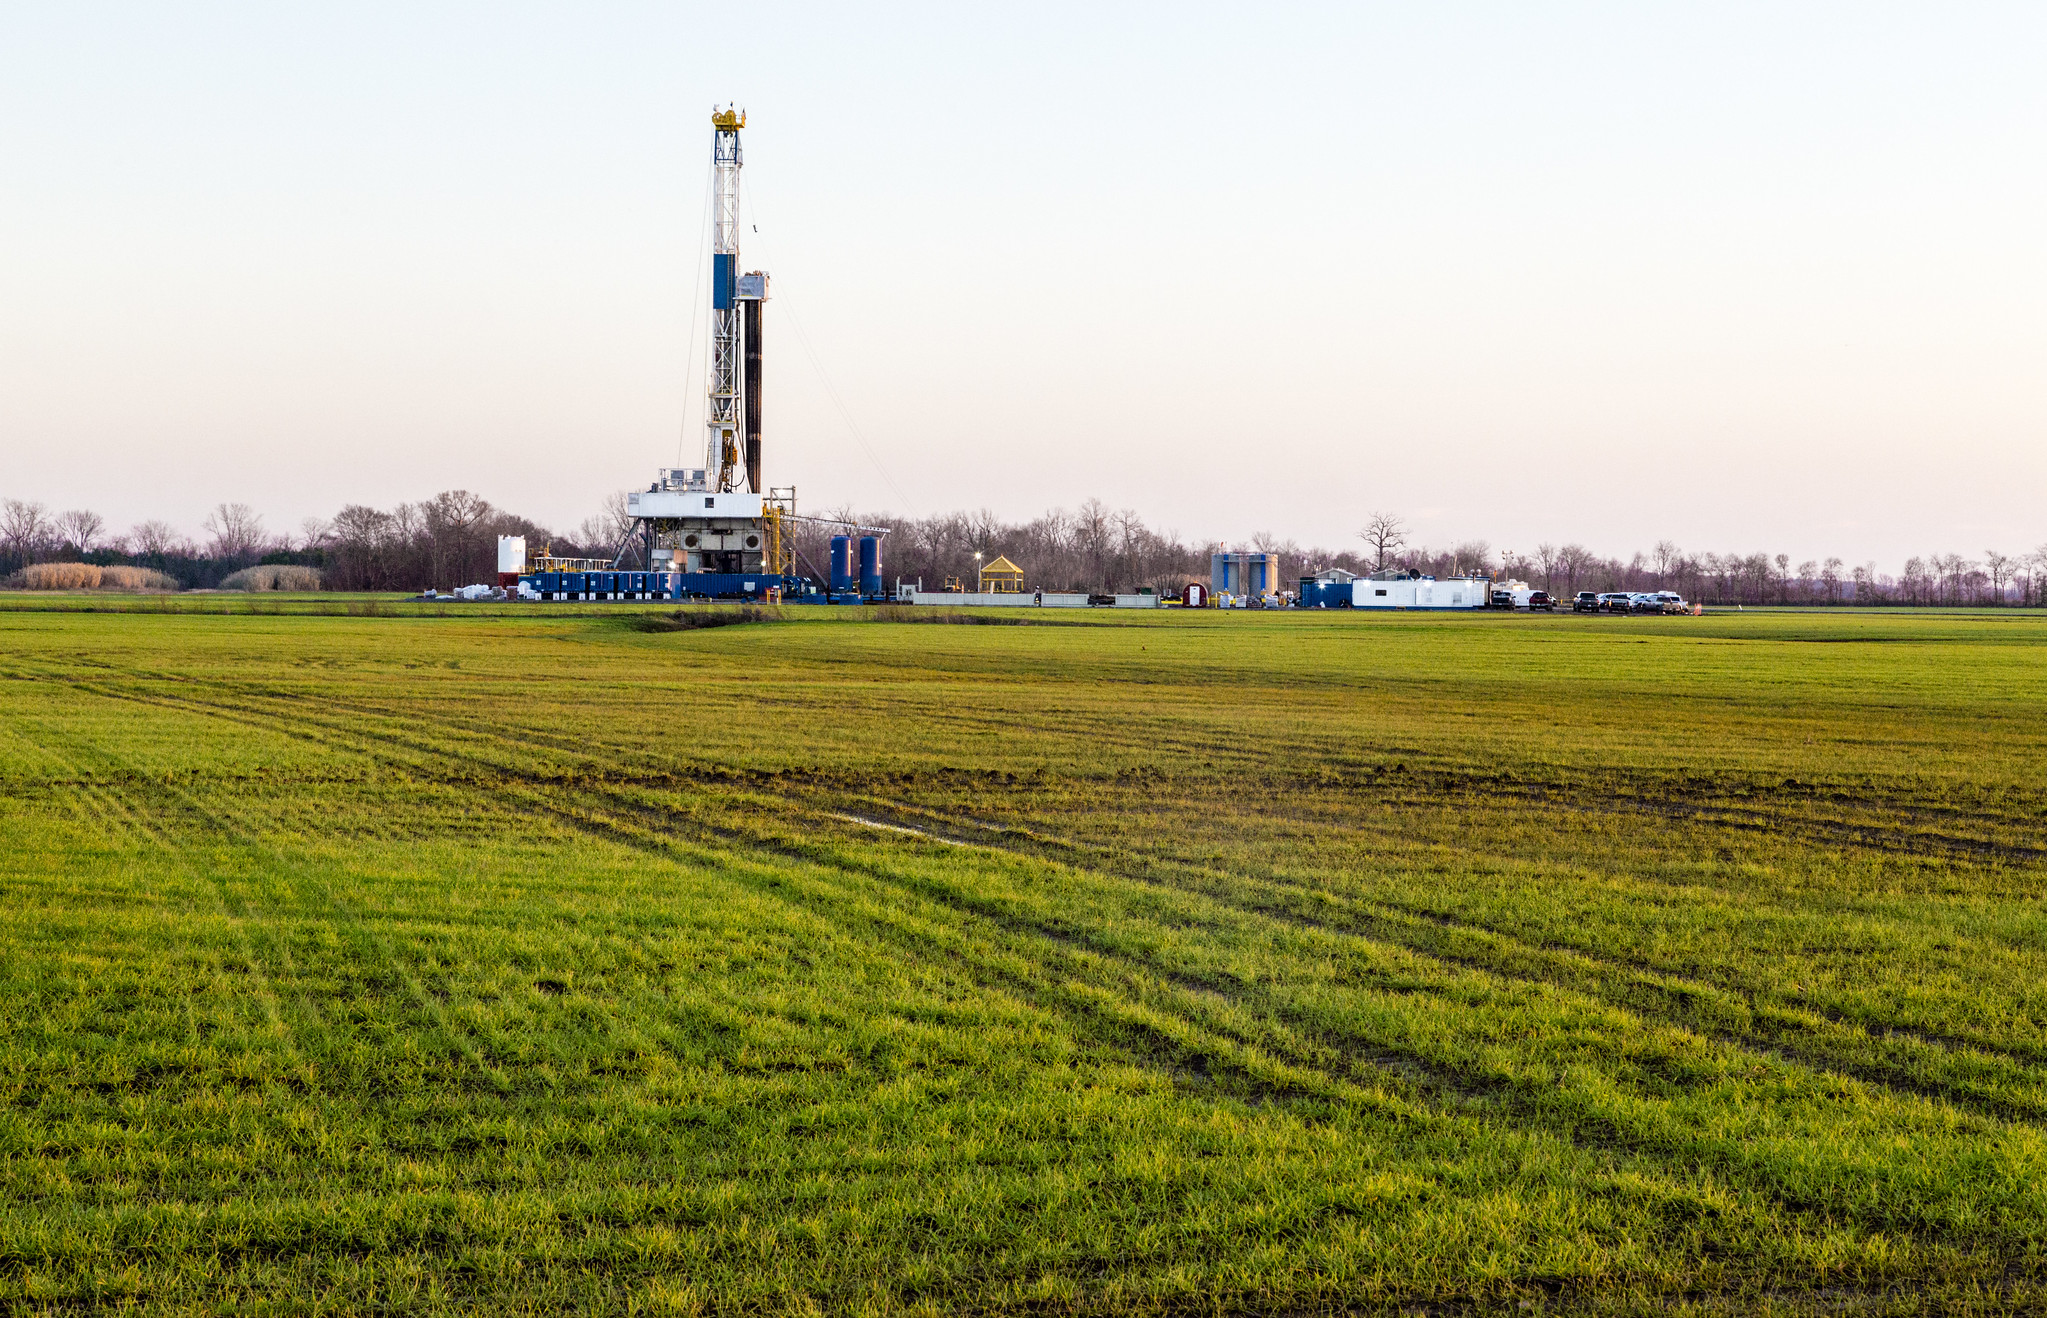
521,960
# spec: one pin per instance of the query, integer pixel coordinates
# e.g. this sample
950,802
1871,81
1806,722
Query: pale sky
1741,276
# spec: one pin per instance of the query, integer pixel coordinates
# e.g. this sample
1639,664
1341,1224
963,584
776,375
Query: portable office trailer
1407,592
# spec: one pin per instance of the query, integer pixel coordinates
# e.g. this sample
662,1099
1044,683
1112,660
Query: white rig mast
722,416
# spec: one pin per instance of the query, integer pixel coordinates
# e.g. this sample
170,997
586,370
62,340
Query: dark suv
1614,601
1587,602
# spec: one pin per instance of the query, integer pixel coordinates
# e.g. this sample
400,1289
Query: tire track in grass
1811,1040
443,752
378,745
1591,798
1010,971
94,764
361,932
1683,985
1647,1139
1603,1129
1663,988
292,1017
1593,1149
1656,1133
329,737
1022,972
350,924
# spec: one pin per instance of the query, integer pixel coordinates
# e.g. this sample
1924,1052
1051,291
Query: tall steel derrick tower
733,446
723,414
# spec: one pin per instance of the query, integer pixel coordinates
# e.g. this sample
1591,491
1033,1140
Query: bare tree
1571,560
618,514
1385,533
1546,557
25,529
362,541
1472,558
2000,567
1954,574
1830,578
236,530
154,539
450,519
1666,556
80,530
1914,580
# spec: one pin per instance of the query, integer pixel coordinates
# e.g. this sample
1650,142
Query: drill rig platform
718,531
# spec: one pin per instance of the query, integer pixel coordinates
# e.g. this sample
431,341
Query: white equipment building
1410,591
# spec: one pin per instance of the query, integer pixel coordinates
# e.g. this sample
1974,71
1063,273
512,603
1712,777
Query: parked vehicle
1587,602
1541,600
1672,602
1643,601
1615,601
1503,599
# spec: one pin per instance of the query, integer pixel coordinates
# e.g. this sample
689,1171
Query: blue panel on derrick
724,266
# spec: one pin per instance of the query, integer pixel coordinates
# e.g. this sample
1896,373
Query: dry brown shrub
60,576
135,578
274,576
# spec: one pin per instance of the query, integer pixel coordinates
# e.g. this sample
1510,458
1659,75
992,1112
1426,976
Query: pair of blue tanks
867,583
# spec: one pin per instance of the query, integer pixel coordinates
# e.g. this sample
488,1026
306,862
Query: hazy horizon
1747,278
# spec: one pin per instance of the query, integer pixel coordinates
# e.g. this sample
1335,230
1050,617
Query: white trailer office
1420,593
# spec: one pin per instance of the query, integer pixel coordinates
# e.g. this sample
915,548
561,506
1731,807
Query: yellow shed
1002,577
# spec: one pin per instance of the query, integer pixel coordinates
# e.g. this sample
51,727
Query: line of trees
448,540
451,539
1097,548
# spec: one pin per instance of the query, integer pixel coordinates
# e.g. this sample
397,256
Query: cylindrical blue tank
870,565
842,562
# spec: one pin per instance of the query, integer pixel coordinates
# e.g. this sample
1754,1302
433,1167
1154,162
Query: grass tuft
89,576
274,576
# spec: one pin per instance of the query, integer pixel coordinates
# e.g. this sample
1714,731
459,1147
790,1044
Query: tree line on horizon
451,539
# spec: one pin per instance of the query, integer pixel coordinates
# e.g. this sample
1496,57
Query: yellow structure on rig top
1002,577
